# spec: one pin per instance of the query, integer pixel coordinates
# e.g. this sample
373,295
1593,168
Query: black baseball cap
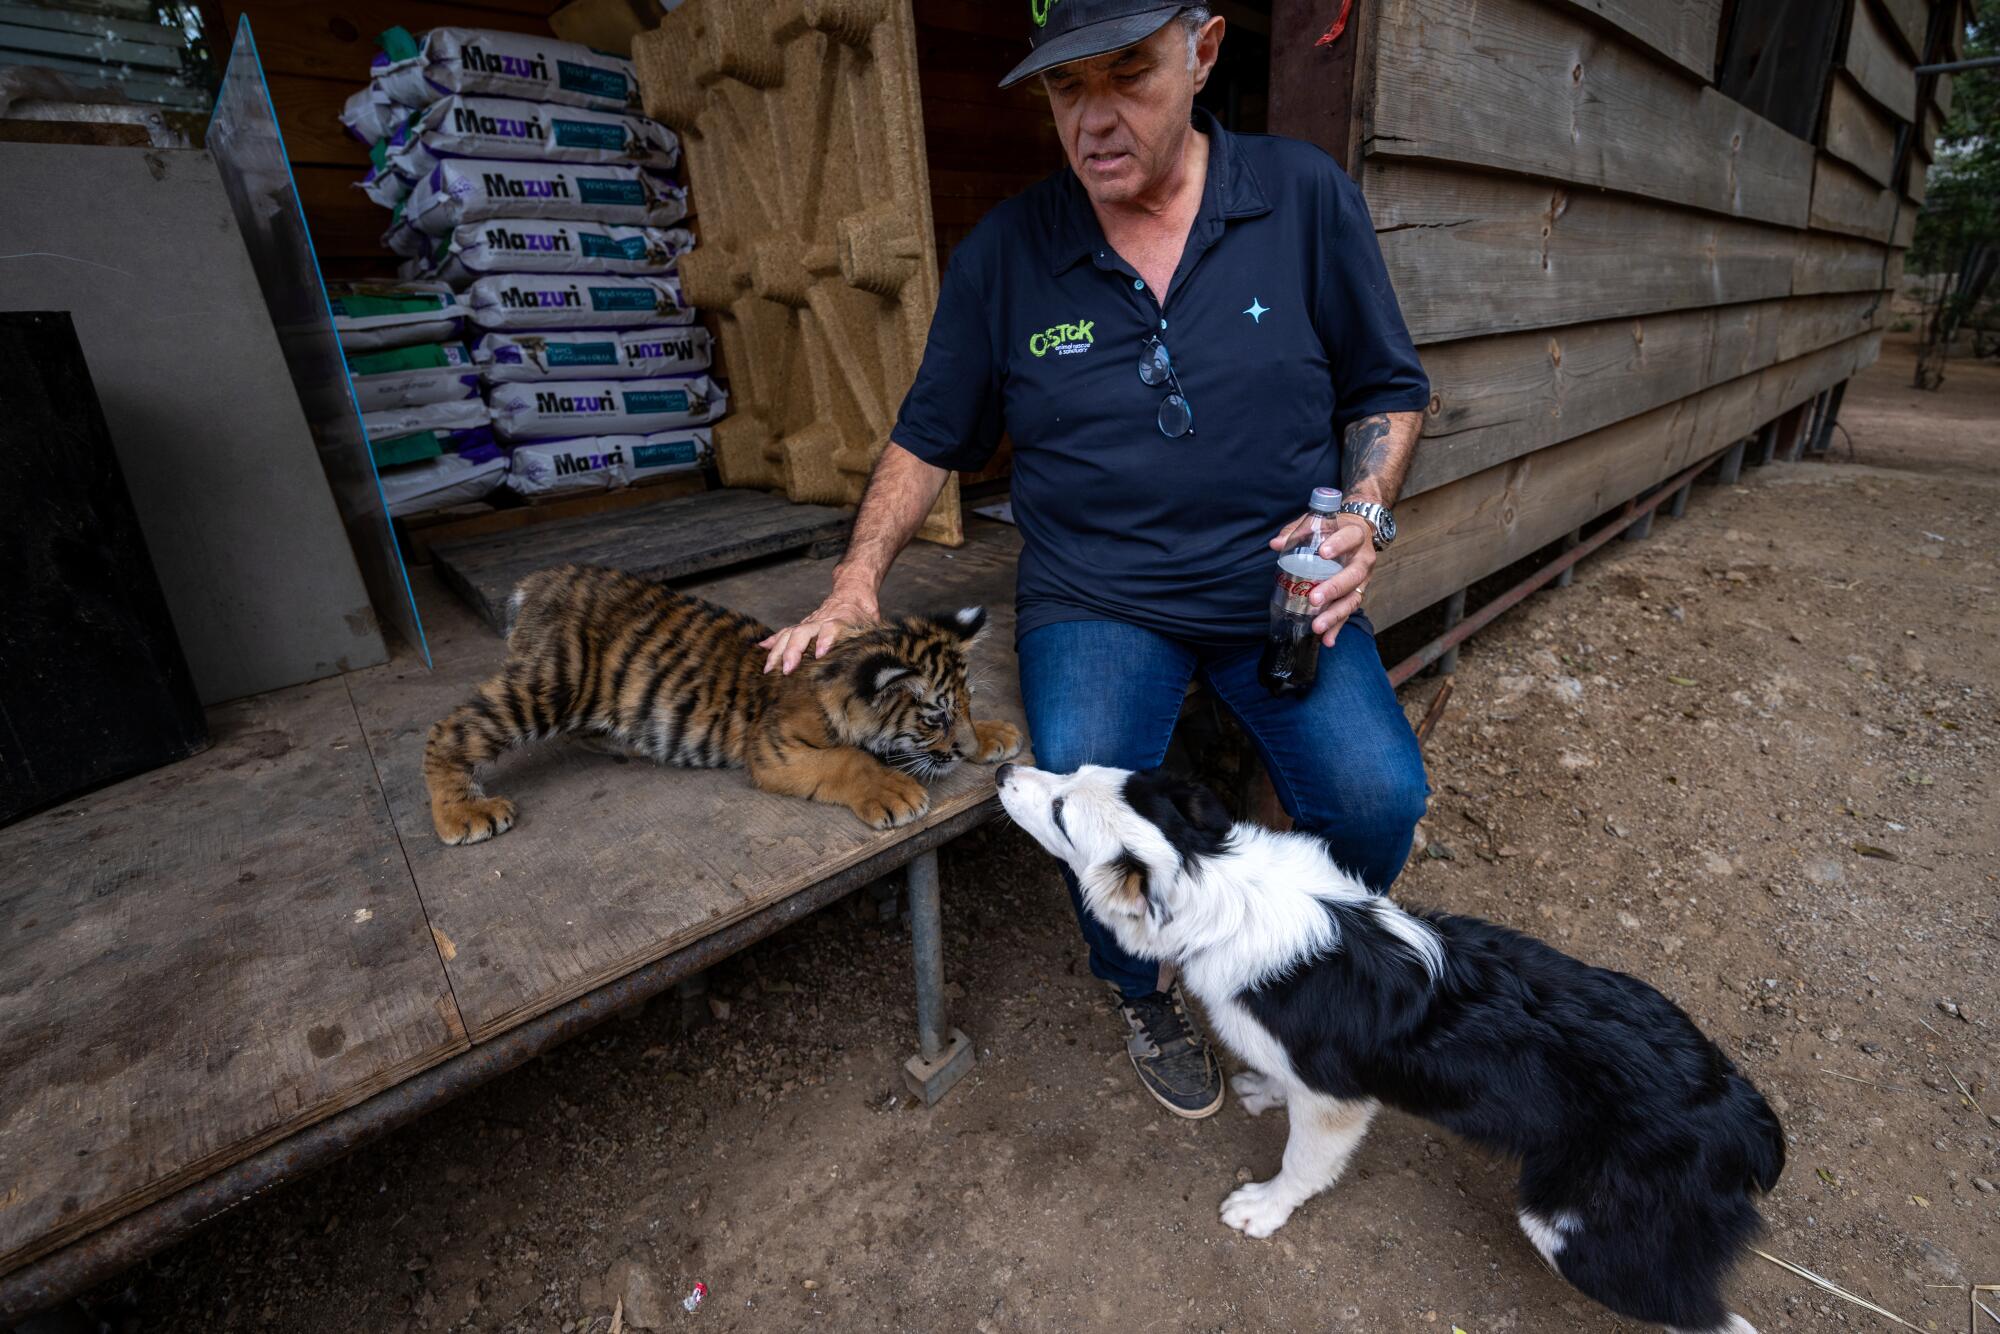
1066,30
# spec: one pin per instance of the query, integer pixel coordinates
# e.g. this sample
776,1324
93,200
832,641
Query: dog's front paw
1257,1093
899,800
1258,1209
997,741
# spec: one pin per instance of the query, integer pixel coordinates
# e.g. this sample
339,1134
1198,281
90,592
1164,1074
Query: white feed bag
539,245
371,317
505,127
457,415
502,64
462,190
409,377
605,354
604,462
372,115
438,483
555,409
554,301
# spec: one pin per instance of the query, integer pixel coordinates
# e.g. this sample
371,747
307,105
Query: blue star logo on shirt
1256,310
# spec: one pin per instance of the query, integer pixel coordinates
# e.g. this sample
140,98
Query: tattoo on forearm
1367,449
1376,451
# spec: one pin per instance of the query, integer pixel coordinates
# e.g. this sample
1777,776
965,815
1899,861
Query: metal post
1641,528
1767,441
1823,439
1679,508
1454,612
944,1054
1732,462
1797,444
1570,544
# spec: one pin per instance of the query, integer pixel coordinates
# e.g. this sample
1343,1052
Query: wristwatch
1379,518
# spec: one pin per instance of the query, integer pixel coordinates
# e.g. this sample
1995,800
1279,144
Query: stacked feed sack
418,390
522,176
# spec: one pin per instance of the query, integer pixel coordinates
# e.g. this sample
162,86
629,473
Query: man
1184,332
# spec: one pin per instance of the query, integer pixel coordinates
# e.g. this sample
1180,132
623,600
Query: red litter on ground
693,1299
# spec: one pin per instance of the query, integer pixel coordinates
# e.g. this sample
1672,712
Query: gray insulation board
140,247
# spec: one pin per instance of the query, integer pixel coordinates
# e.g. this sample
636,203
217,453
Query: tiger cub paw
997,741
474,820
898,800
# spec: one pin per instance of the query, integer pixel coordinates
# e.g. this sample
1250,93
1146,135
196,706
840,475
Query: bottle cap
1326,499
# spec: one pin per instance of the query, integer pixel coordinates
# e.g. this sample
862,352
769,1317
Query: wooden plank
1459,533
1495,399
614,865
200,962
1474,254
1829,263
309,118
1878,67
1860,133
1313,87
1846,201
344,221
112,51
676,538
1909,21
1537,92
1684,31
93,25
420,532
337,41
1941,95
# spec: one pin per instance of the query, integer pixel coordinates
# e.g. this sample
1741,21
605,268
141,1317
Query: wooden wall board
201,961
1462,532
1878,67
337,40
1498,398
344,221
1941,96
309,116
1909,21
1860,133
1536,91
1474,254
612,865
1684,31
1312,86
1828,263
1846,201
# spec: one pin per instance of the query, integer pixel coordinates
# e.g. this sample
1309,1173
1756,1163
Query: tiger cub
605,655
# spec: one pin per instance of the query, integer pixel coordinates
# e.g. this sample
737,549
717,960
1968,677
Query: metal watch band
1378,519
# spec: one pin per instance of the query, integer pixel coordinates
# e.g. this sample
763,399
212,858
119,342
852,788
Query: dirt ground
1750,759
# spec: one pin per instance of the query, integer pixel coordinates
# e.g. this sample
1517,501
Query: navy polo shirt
1282,329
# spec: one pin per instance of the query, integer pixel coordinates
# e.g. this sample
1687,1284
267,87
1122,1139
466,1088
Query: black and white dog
1641,1147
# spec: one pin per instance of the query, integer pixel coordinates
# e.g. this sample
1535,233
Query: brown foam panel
802,129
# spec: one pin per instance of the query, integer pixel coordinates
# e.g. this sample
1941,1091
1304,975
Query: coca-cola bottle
1290,663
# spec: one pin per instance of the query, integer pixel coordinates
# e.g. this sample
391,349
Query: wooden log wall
315,55
1611,268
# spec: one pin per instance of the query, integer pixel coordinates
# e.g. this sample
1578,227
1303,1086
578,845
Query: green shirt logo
1062,339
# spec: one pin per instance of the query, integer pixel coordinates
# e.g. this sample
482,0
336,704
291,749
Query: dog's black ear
1202,809
1193,818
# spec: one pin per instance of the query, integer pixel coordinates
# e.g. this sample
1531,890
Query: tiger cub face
899,691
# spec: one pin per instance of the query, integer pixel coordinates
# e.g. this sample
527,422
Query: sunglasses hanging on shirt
1157,368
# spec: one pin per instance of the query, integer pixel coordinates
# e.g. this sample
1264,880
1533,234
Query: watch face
1388,526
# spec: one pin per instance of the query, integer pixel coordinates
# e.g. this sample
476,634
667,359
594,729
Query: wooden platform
201,961
674,539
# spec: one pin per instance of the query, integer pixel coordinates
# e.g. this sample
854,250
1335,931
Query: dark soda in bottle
1290,664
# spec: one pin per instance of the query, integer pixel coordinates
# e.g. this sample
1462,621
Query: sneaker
1173,1061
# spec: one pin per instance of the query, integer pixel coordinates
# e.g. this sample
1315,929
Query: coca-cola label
1293,591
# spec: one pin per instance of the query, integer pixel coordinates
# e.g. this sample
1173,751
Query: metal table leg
944,1054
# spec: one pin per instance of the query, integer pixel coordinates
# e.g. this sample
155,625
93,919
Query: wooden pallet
676,538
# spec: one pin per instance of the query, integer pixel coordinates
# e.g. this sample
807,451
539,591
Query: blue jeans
1343,759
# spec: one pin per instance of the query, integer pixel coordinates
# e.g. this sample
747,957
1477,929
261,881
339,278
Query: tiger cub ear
968,623
878,672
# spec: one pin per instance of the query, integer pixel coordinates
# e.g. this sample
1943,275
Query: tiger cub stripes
608,657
